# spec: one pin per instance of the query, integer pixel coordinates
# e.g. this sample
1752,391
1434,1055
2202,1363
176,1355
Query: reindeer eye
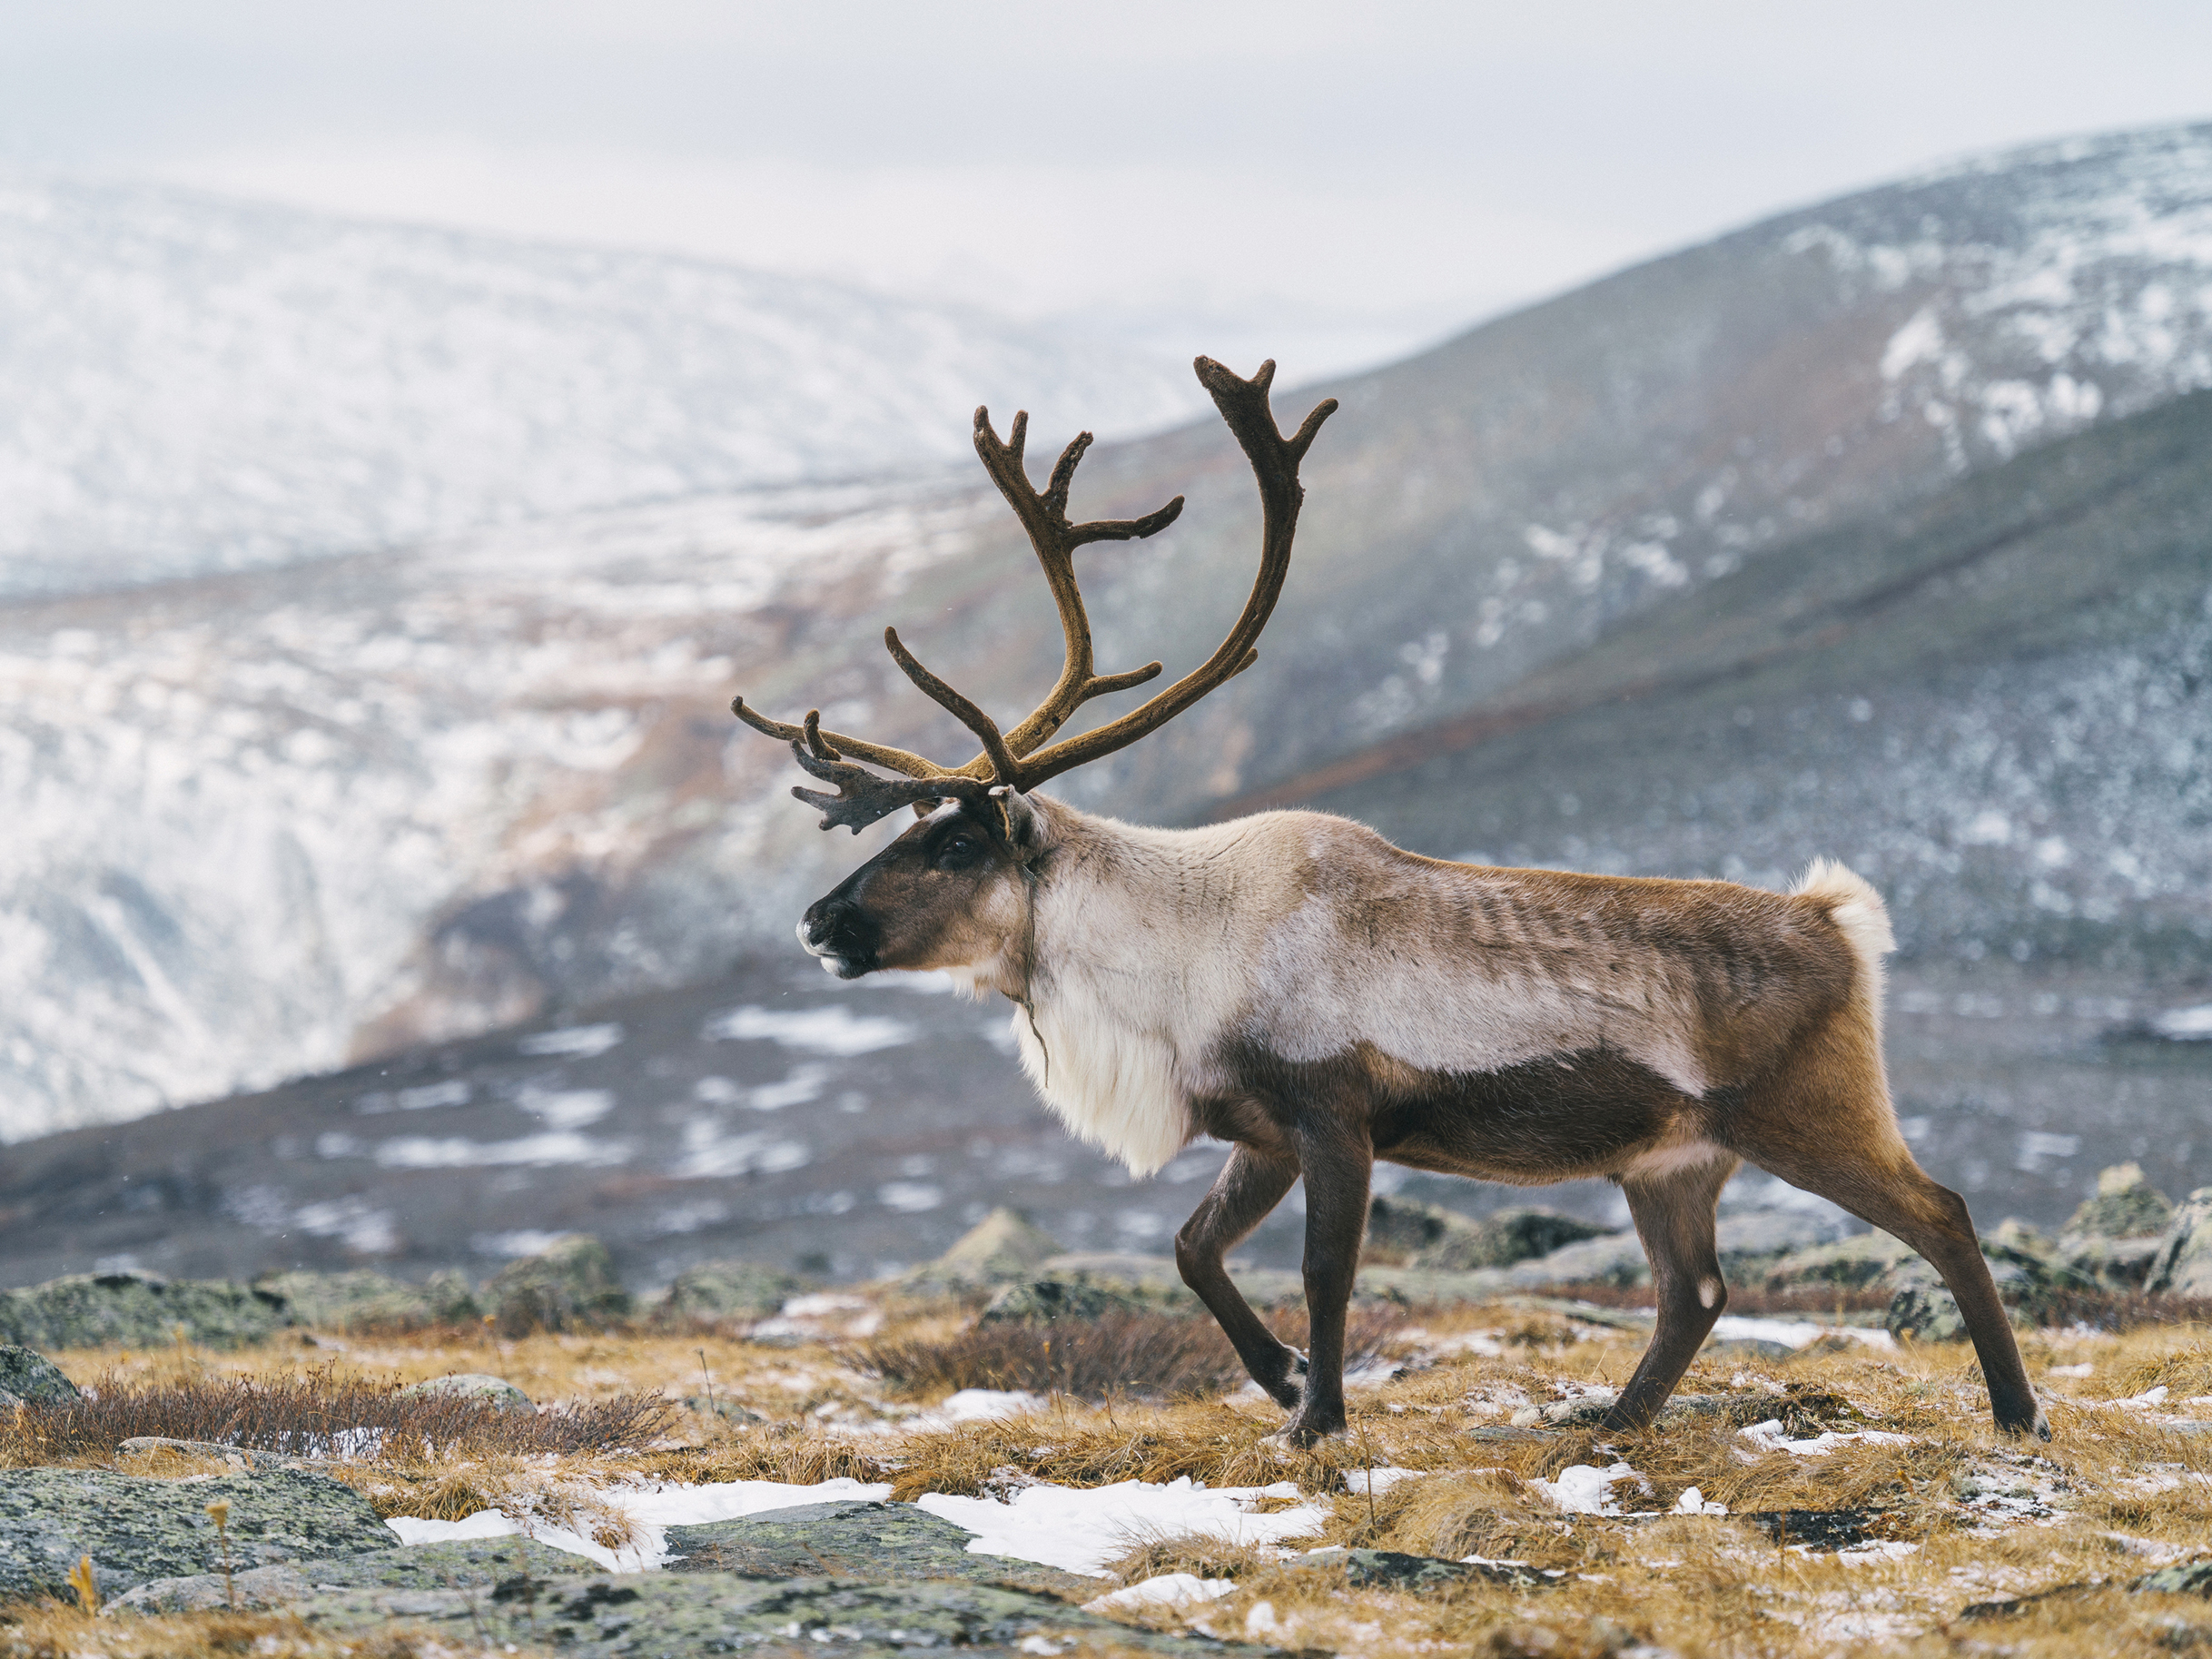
959,851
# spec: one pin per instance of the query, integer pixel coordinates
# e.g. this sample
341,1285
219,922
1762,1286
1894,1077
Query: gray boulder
1615,1260
716,1290
862,1539
355,1301
451,1298
1749,1240
139,1310
1401,1232
136,1528
1922,1309
494,1391
475,1564
2182,1265
1849,1264
1042,1301
1004,1246
26,1376
570,1283
610,1615
2126,1206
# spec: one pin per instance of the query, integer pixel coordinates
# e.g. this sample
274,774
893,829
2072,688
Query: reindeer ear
1022,827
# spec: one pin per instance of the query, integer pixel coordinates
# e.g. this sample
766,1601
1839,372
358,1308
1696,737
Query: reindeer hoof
1302,1433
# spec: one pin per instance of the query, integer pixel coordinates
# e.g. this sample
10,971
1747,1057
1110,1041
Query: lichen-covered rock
1395,1570
856,1538
618,1615
139,1310
1004,1245
1401,1232
28,1376
2183,1264
1922,1309
727,1291
1617,1259
136,1528
571,1282
1042,1301
1750,1240
1848,1264
451,1298
470,1563
494,1391
360,1300
2126,1206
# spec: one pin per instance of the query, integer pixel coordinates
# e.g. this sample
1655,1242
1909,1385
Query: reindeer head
950,893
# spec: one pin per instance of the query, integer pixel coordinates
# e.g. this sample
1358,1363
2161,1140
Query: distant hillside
189,383
263,821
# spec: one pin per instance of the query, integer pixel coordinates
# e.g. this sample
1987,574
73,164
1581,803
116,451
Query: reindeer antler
1009,758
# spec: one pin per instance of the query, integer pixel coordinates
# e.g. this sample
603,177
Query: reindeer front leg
1249,1185
1338,1166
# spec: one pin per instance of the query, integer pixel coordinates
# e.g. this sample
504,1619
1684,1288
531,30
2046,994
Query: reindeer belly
1580,1115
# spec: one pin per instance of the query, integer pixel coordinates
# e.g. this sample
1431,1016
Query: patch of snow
1162,1590
455,1152
2135,1402
2185,1024
1692,1502
1379,1480
572,1043
1795,1333
1079,1530
651,1510
1769,1436
566,1108
830,1029
1582,1488
1889,1550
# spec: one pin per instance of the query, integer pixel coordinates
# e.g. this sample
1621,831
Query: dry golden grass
49,1630
1988,1520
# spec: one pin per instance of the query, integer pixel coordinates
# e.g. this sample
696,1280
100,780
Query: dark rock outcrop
137,1529
569,1283
360,1300
716,1290
28,1375
854,1538
140,1310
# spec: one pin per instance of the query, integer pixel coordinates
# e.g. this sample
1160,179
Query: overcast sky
1356,177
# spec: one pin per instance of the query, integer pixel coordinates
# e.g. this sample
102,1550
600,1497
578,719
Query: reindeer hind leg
1825,1124
1674,1210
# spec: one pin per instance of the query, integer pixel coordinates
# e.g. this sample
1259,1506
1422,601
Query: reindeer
1293,984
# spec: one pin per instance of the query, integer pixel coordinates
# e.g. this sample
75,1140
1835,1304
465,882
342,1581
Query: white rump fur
1854,906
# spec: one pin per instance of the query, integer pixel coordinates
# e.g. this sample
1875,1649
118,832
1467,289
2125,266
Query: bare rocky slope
199,384
266,822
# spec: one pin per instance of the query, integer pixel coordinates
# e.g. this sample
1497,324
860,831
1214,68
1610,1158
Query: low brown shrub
317,1414
1145,1355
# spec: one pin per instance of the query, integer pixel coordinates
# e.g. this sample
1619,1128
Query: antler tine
1005,768
862,798
834,745
1044,515
1275,461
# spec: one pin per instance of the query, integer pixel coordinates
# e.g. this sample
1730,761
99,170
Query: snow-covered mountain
262,822
189,383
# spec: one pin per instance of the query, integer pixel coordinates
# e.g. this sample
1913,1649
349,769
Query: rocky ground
1017,1449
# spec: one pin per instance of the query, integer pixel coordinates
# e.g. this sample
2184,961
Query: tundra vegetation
1802,1495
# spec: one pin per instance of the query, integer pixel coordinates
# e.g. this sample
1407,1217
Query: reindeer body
1295,985
1175,967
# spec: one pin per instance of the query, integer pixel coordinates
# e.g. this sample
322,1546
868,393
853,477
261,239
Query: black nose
838,927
